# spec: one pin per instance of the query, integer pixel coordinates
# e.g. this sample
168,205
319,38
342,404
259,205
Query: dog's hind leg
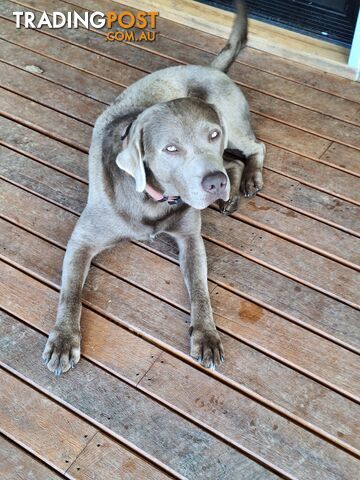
241,140
234,169
254,152
252,179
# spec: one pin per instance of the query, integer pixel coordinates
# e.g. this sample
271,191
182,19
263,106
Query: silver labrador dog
156,160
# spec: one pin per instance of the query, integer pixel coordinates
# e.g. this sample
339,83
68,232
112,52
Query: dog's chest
146,233
162,223
150,229
144,220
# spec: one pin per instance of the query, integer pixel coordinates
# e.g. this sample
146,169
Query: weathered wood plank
44,149
282,256
304,199
305,119
103,459
252,282
307,171
313,77
326,409
243,366
300,228
165,436
43,180
55,124
307,309
288,137
291,449
138,355
295,93
40,217
27,416
62,74
18,465
343,156
294,300
66,53
204,398
46,93
259,211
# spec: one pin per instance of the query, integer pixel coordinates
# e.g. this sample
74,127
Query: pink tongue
153,193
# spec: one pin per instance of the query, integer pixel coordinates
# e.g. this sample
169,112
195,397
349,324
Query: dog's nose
214,183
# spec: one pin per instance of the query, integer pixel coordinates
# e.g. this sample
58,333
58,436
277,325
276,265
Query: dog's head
181,142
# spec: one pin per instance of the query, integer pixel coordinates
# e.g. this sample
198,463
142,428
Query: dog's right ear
130,159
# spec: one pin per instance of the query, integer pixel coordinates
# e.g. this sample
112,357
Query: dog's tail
237,39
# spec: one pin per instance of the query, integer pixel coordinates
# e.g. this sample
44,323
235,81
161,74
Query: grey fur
181,106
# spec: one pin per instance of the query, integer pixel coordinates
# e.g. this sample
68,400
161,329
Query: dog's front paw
252,182
229,206
62,351
206,347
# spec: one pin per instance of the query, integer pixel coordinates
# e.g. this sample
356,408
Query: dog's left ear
130,159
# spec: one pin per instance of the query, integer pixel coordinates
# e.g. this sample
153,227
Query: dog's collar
159,197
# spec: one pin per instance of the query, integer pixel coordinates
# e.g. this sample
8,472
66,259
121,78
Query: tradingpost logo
124,26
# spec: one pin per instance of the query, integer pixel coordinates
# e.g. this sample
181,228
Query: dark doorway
332,20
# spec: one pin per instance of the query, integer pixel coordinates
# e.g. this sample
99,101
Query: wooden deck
283,277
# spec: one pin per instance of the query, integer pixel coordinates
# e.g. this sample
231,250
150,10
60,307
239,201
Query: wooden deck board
58,443
37,257
283,276
41,218
126,412
261,441
16,464
101,89
104,458
59,73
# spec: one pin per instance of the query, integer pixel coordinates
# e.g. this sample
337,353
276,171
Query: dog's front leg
62,350
205,341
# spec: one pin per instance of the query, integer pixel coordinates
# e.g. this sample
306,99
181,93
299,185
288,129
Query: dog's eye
214,134
171,148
